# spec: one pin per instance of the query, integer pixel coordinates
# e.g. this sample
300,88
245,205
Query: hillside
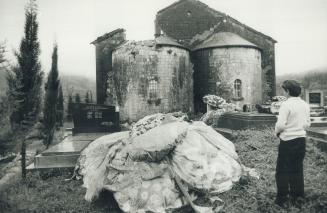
70,84
78,84
312,79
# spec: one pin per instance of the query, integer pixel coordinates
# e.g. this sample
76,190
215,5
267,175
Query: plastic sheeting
199,156
206,160
93,161
156,143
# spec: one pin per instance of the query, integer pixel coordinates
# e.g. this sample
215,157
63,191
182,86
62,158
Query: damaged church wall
146,79
185,19
190,22
103,51
219,68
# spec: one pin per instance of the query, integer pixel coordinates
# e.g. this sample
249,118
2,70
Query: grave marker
88,117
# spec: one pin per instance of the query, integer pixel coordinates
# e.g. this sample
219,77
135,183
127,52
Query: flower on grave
278,98
214,100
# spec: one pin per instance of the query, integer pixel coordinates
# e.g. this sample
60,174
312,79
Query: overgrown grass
49,192
258,149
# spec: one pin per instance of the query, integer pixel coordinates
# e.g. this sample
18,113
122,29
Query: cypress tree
60,107
51,96
87,97
2,54
77,98
70,107
26,77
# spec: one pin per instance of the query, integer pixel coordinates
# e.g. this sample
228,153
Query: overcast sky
299,26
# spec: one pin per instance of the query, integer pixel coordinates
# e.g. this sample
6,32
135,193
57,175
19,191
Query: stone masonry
135,64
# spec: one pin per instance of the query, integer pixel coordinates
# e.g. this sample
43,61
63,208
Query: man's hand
278,134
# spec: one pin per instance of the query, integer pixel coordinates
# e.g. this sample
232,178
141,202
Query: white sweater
293,119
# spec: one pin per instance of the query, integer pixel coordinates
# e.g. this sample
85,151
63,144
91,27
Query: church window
153,89
237,89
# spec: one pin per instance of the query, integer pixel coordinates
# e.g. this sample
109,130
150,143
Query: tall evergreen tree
70,107
26,77
77,98
2,54
87,97
60,107
51,96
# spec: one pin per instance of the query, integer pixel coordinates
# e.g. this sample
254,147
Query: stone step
65,153
55,161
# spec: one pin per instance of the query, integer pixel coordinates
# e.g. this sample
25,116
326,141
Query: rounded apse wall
146,79
232,72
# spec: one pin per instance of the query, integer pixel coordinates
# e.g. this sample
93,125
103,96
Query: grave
90,121
246,120
320,121
88,117
65,153
318,135
315,98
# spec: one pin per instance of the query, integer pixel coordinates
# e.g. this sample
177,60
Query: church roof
107,35
167,41
215,13
225,39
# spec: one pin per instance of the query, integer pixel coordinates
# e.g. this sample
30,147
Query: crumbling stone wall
218,68
103,51
185,19
135,64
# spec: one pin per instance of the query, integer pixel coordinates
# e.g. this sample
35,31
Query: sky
299,26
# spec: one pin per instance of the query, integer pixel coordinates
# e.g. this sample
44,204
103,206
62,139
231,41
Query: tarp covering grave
159,164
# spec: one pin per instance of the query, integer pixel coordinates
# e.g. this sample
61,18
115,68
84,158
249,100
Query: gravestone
318,135
89,117
246,120
315,98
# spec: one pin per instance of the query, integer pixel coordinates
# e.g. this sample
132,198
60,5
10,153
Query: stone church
196,51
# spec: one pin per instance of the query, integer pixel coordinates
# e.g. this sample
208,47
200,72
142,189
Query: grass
258,149
49,192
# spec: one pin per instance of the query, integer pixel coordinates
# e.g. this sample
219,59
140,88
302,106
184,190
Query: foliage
25,79
88,97
3,60
267,87
314,79
70,106
60,107
51,99
77,98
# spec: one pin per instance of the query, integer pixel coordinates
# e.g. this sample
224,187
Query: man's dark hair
293,87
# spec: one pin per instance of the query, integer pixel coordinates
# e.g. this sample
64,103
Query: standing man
293,119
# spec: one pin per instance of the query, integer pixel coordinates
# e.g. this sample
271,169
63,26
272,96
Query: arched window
153,89
237,89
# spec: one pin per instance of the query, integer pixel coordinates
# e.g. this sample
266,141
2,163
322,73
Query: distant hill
70,84
78,84
312,79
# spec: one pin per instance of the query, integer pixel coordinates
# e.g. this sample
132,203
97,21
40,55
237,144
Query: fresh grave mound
160,168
